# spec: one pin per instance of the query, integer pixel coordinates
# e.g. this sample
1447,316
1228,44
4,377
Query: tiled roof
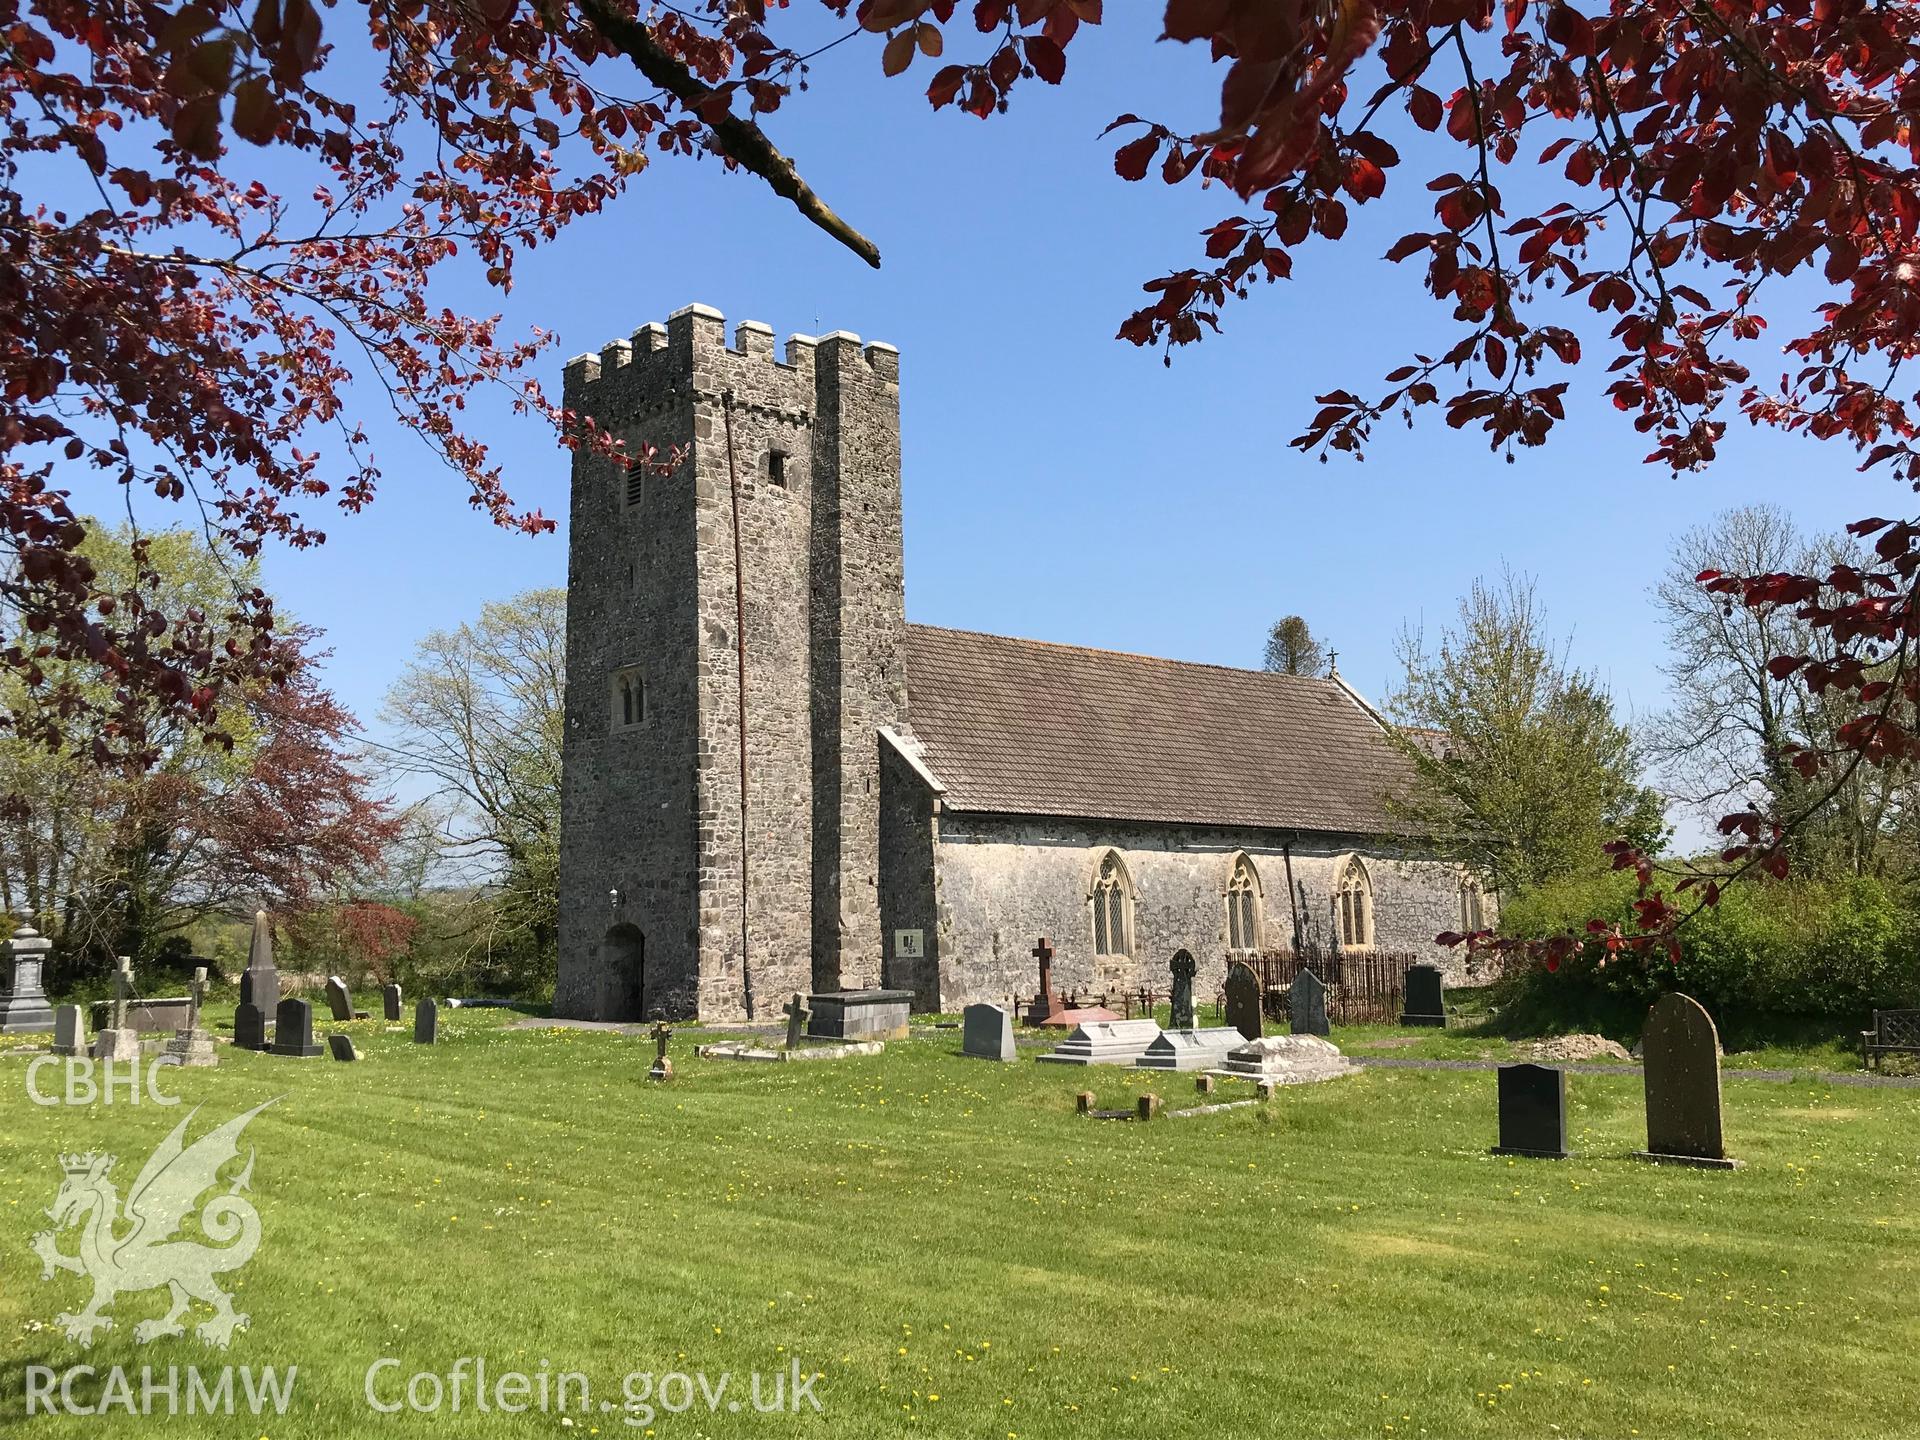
1021,727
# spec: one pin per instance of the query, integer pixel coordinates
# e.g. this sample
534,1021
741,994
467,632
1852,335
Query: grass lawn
958,1254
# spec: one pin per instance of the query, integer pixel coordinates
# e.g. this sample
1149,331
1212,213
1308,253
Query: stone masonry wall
859,639
1005,881
657,812
627,796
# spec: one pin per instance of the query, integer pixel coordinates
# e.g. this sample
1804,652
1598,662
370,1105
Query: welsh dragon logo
149,1255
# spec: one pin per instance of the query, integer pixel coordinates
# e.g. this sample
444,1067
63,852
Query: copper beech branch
742,141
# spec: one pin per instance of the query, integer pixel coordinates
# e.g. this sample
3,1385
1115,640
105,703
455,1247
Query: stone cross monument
117,1042
662,1066
193,1046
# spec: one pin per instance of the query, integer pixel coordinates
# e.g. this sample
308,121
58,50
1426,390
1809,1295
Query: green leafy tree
254,802
1292,648
1524,773
479,714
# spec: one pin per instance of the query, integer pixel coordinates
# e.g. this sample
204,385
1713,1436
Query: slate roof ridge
1319,680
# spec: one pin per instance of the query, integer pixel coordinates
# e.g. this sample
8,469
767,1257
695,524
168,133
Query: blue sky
1059,483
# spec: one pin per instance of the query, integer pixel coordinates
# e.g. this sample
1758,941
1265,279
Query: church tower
719,843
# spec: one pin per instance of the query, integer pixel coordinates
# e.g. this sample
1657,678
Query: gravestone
426,1022
69,1030
116,1041
797,1016
339,1001
1105,1042
260,982
190,1044
1243,1000
1180,1008
1426,1000
293,1030
341,1047
1681,1055
1047,1008
858,1015
249,1026
1307,1004
1533,1112
662,1067
390,1003
1286,1060
1191,1049
988,1032
24,1009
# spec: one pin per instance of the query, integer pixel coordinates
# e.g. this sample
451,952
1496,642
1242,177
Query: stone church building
885,804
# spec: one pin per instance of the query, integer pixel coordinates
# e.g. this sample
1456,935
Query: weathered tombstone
339,1000
293,1030
260,982
69,1030
1681,1054
1243,1000
797,1016
1191,1049
987,1033
1180,1007
390,1002
1426,999
249,1026
1307,1004
1533,1112
1105,1042
1047,1006
662,1067
1287,1060
24,1009
341,1047
426,1022
117,1041
190,1044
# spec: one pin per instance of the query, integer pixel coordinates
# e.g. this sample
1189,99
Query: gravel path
1828,1077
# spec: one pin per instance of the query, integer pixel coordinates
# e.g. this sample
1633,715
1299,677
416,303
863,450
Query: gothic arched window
1243,906
1473,909
1112,902
1353,906
629,698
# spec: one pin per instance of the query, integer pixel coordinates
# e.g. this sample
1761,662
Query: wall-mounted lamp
614,897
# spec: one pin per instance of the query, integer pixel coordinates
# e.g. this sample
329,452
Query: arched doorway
623,954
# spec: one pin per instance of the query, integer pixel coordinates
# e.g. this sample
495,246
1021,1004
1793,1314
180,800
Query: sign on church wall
909,944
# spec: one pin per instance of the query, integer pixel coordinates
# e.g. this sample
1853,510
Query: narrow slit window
777,467
636,483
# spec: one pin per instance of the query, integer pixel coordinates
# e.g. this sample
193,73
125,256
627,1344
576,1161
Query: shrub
1769,959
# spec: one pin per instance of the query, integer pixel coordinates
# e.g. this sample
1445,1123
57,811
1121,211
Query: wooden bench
1893,1031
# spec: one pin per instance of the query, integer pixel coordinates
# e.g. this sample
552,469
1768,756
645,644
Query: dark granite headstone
858,1014
988,1033
1681,1054
293,1030
390,1002
1533,1112
339,1001
1426,999
1307,1004
341,1047
1181,1006
1243,1000
426,1022
250,1027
